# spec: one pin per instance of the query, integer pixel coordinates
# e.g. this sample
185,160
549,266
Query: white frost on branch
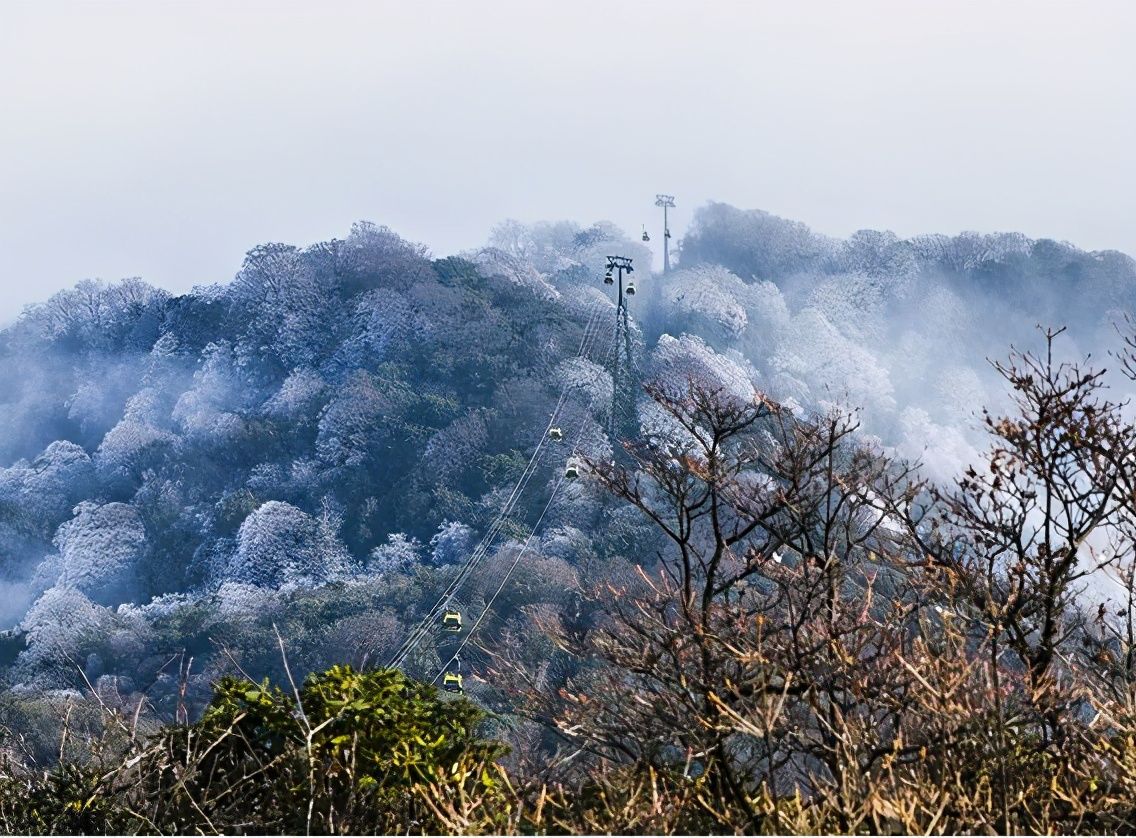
100,550
279,544
586,381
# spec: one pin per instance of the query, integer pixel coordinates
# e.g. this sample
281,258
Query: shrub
346,752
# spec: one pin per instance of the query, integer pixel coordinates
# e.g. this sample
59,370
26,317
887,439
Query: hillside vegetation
754,611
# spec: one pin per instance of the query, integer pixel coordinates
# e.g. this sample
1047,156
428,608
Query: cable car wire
524,548
499,521
423,628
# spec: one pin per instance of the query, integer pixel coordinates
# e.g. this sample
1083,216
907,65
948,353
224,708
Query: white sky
164,139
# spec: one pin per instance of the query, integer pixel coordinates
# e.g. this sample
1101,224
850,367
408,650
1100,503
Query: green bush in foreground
347,752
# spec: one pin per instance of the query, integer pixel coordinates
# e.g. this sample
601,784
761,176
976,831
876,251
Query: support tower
666,202
622,369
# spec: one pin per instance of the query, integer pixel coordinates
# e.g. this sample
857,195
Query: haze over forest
321,440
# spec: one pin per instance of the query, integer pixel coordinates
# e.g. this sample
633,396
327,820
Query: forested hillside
307,453
358,407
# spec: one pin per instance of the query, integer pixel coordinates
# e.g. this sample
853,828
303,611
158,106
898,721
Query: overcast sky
165,139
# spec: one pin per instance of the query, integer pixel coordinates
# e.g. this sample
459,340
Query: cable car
607,279
452,680
630,288
452,683
555,434
452,621
573,470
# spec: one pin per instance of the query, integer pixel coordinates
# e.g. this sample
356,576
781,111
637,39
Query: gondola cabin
452,621
452,683
555,434
630,288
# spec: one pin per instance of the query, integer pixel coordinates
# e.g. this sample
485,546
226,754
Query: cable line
524,548
422,629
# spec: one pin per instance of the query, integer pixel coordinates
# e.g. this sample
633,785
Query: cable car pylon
622,369
666,202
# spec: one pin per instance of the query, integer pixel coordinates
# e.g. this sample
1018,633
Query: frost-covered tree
375,256
452,543
61,624
515,270
39,495
100,551
98,315
294,315
279,544
836,368
689,357
585,380
356,427
706,300
299,398
384,323
753,244
399,553
129,450
104,389
211,408
451,450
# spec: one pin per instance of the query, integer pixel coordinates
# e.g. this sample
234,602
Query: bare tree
759,653
1024,531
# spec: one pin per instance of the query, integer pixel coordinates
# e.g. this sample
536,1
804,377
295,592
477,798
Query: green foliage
343,752
72,799
347,752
